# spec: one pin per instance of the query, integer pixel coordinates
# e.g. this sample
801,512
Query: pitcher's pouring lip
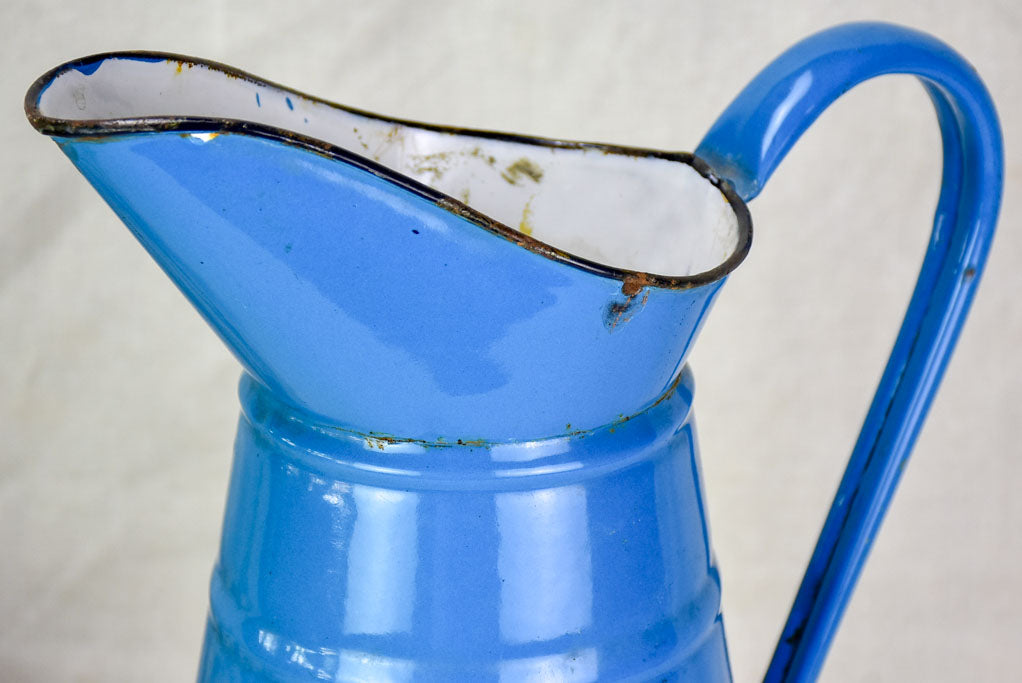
632,280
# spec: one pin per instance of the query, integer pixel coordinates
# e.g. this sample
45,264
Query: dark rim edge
633,280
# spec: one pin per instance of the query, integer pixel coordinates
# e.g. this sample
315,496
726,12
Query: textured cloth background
118,406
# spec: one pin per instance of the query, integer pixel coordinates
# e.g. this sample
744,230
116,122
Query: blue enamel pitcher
466,448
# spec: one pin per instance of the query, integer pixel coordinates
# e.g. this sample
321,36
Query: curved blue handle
745,145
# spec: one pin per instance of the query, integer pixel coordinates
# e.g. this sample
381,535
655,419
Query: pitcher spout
399,278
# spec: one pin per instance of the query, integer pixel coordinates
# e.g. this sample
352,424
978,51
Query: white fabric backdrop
118,405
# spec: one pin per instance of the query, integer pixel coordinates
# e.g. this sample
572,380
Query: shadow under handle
744,146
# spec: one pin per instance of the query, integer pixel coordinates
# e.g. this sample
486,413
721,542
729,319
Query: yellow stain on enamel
525,225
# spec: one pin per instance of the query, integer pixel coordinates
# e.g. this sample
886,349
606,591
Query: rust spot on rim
633,283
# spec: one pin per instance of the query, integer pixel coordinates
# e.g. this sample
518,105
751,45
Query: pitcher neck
378,458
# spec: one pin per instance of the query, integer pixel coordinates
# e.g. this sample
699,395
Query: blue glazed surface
572,558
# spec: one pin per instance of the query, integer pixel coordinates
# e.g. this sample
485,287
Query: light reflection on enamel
544,564
381,563
531,450
574,667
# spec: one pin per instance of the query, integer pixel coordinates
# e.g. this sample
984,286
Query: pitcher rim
632,280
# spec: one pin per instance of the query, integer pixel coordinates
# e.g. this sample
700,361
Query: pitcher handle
744,146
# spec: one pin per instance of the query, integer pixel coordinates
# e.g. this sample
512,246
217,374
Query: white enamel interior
636,213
